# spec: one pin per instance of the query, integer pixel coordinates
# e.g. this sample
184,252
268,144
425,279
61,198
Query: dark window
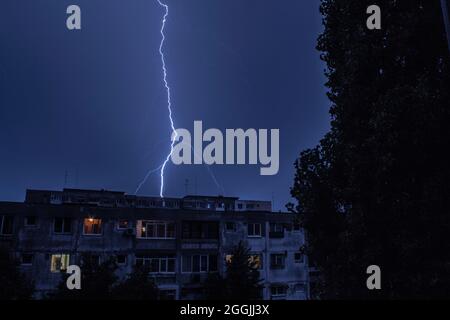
231,226
27,258
123,224
297,226
30,221
92,259
199,263
298,257
254,230
239,205
121,259
276,230
6,225
277,291
212,262
277,261
200,230
167,294
63,225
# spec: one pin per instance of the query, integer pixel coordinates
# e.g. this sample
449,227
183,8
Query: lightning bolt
174,133
169,102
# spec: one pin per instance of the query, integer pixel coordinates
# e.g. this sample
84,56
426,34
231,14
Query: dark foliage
241,281
376,188
13,284
137,286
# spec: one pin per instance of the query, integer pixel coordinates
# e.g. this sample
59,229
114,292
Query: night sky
92,103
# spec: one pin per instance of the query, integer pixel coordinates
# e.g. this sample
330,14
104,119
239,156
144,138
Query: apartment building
182,240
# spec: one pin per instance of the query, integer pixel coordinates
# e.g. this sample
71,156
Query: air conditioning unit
130,232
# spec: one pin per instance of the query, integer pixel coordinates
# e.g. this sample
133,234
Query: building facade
182,240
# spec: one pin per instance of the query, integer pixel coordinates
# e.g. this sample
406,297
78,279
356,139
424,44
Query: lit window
30,221
255,260
62,225
254,230
59,262
123,224
6,225
92,226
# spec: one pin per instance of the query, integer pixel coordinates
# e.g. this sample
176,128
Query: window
62,225
91,259
200,230
167,294
278,291
27,259
277,261
157,264
157,229
240,206
121,259
296,226
199,263
256,261
30,221
300,287
254,230
276,230
298,257
230,226
6,225
92,226
123,224
59,262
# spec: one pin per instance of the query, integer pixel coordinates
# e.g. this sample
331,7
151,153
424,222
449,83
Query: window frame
65,261
63,226
254,234
148,260
28,225
155,225
99,234
273,258
2,225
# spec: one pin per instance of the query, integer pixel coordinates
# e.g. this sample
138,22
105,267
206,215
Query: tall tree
97,281
241,281
376,188
137,286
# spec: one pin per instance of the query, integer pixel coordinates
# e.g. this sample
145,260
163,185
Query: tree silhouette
376,188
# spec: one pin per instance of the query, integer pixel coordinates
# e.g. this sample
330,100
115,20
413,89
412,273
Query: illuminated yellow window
59,262
92,226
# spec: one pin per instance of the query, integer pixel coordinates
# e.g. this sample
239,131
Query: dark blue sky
92,102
